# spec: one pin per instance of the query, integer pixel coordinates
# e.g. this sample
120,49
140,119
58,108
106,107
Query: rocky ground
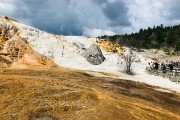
159,55
57,94
169,58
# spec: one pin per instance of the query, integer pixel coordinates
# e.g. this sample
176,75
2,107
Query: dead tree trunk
127,62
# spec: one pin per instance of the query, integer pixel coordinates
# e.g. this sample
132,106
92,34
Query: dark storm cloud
174,9
100,2
70,17
76,17
52,16
55,17
116,12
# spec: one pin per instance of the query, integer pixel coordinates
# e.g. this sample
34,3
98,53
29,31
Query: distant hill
156,37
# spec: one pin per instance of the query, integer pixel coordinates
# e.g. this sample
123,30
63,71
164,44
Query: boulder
94,55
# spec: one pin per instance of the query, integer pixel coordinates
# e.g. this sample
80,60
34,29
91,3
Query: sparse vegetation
129,59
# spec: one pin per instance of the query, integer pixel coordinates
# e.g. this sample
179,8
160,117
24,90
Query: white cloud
94,32
147,13
111,1
7,7
119,16
15,9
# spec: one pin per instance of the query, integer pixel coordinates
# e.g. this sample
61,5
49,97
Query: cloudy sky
92,17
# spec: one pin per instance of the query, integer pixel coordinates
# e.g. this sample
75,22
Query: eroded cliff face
7,31
16,50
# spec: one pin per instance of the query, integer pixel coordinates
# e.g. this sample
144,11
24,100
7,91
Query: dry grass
66,94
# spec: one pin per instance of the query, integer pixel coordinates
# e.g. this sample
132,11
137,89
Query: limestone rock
94,55
79,47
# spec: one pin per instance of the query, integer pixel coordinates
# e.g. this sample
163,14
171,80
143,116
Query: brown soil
111,47
64,94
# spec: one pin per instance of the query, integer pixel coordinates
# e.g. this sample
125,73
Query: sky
92,18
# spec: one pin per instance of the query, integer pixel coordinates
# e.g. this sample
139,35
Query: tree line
158,37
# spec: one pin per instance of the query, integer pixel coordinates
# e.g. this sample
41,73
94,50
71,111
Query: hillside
52,77
28,47
15,51
20,41
67,51
156,37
